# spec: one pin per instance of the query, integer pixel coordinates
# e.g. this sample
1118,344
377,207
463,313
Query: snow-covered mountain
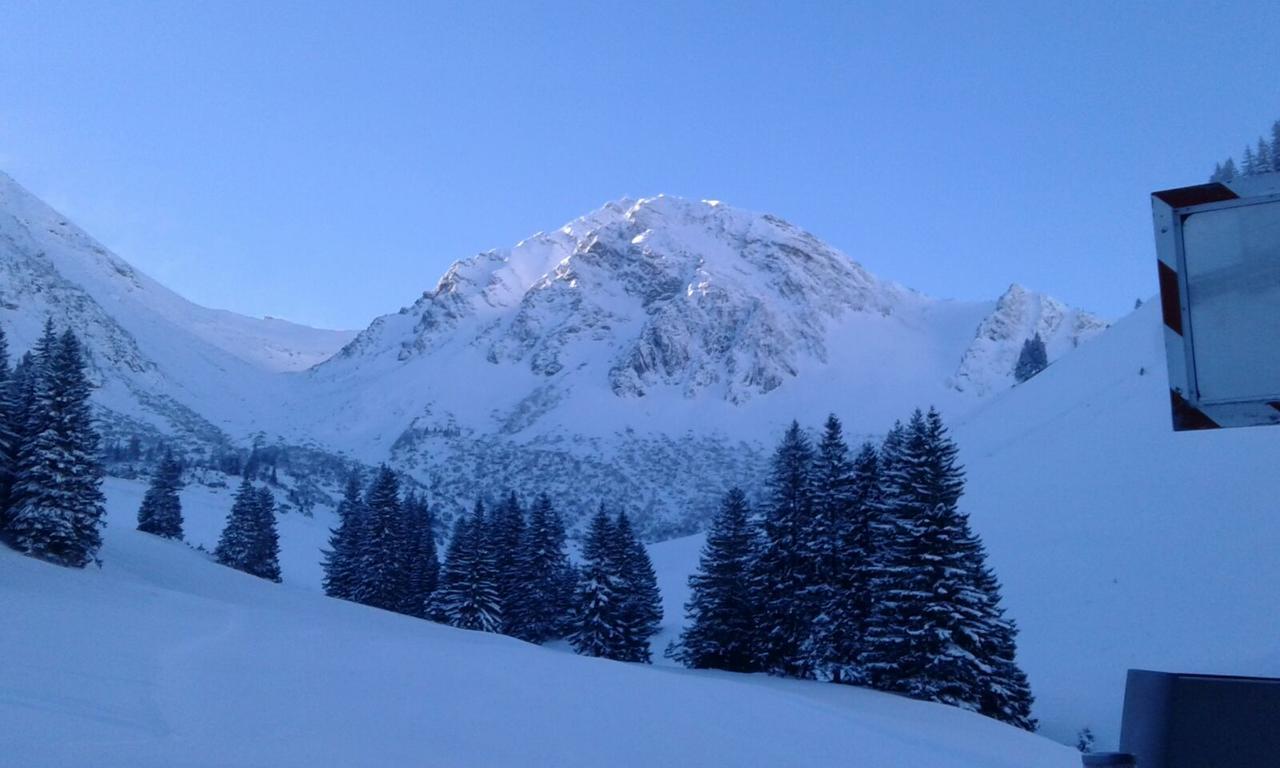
161,363
649,352
652,351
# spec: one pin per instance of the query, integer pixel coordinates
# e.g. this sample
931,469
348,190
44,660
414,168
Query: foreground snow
162,658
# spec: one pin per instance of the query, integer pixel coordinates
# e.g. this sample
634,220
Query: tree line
1263,157
859,569
505,570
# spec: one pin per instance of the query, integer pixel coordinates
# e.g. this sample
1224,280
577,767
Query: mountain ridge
648,333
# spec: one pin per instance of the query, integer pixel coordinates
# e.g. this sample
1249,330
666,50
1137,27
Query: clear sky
324,162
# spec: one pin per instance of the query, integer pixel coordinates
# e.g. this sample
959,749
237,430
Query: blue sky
325,162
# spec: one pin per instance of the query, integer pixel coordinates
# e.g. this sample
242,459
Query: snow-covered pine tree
784,570
7,436
468,592
424,563
598,627
161,509
506,532
720,616
1031,360
21,393
1248,164
1275,146
981,629
883,642
957,622
265,561
58,476
380,580
1262,158
854,594
241,544
828,536
640,608
341,561
544,606
1229,171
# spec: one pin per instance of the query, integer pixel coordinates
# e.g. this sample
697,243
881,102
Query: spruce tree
891,528
833,544
468,594
266,541
1031,360
860,562
249,541
640,610
785,569
1262,158
1248,164
381,578
936,615
720,615
58,502
161,510
1275,146
506,533
7,435
20,394
1229,171
423,562
341,561
544,601
598,627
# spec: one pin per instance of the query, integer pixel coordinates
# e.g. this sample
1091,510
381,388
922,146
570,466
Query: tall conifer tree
506,533
383,551
424,563
640,611
58,502
598,629
720,614
784,572
468,592
161,509
249,541
341,561
545,600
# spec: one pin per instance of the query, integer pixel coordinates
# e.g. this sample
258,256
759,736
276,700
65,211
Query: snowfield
1120,544
163,658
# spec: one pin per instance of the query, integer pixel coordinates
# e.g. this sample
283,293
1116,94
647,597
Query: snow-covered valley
649,354
163,658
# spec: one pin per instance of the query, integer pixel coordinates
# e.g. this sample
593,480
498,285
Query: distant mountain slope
158,359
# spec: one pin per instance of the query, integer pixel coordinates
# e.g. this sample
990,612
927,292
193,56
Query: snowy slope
1120,544
157,358
162,658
